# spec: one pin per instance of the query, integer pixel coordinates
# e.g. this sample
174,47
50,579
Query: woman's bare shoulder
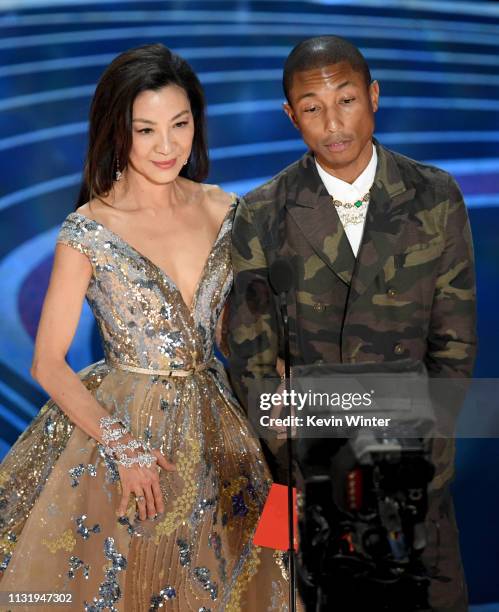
88,209
219,200
96,210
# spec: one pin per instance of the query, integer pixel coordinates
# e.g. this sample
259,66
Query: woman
139,485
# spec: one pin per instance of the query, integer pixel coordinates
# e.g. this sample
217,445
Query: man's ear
374,95
289,112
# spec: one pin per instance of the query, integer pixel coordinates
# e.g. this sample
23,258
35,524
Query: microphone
281,276
281,280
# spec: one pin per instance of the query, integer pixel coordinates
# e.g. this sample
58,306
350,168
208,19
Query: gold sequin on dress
59,493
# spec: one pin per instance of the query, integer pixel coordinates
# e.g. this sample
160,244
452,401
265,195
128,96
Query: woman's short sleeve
78,232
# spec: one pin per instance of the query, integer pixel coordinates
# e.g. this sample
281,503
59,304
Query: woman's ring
139,498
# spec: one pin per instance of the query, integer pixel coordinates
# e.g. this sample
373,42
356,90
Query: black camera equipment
363,505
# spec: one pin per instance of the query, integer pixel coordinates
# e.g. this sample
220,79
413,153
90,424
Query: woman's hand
143,484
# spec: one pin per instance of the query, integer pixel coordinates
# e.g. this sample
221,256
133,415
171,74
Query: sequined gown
59,493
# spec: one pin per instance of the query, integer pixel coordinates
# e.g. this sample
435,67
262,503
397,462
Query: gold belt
197,367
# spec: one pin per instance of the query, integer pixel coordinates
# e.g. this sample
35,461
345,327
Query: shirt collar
343,190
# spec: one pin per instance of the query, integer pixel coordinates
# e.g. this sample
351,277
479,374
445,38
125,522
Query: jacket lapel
312,210
385,221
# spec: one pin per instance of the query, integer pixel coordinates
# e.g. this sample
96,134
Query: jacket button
398,349
319,307
392,292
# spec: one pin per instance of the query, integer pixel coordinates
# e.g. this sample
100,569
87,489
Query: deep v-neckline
189,307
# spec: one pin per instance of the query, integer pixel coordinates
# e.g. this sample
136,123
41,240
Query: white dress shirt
346,192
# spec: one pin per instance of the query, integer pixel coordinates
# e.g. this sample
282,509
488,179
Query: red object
272,529
354,490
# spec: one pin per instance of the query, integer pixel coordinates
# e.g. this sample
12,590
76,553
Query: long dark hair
149,67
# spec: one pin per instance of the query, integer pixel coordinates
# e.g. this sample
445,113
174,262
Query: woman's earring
186,162
118,173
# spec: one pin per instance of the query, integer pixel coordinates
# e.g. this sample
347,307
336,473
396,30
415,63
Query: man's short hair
322,51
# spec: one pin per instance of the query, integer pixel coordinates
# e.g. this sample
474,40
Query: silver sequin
83,530
202,575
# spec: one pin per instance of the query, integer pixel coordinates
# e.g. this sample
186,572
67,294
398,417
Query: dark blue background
437,66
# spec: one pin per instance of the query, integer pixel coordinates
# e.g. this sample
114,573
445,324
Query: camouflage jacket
409,293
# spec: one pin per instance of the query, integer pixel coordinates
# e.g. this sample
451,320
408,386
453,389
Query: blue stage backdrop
436,62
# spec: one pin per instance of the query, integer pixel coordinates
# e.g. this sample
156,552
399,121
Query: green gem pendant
358,204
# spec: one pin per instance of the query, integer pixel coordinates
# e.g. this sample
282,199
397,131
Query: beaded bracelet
143,459
108,433
112,435
118,451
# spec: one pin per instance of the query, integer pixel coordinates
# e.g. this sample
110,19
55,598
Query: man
382,258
